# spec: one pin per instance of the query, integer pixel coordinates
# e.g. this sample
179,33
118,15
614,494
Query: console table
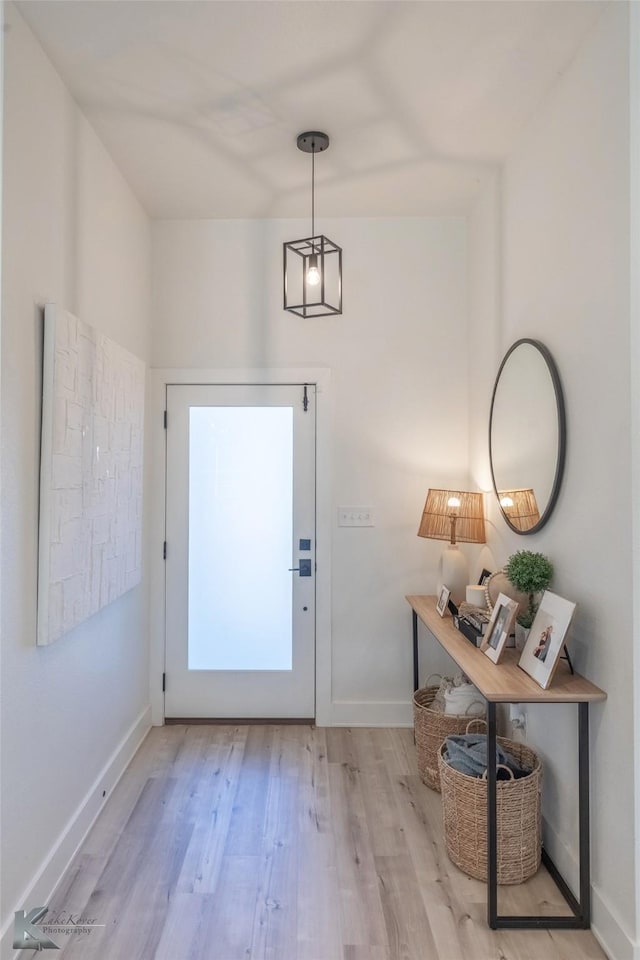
505,682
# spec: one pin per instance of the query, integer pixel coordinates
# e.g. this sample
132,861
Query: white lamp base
453,572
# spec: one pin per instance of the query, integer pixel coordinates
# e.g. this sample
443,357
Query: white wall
634,259
564,279
74,234
397,357
485,335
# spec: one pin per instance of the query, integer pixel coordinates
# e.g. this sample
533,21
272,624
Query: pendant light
312,266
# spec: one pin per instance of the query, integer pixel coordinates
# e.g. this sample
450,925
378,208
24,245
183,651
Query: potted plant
531,573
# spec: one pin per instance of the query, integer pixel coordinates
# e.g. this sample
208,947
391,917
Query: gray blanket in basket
467,753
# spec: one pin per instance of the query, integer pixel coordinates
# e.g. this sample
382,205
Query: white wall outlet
355,517
518,717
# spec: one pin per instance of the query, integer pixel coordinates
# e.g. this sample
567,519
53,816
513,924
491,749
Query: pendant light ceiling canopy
312,266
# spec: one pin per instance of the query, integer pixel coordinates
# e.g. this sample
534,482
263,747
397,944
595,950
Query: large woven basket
431,728
464,808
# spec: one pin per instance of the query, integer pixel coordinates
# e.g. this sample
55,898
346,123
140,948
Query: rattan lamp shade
469,517
520,507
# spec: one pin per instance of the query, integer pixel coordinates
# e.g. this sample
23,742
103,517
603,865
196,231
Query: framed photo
443,600
499,627
484,576
545,641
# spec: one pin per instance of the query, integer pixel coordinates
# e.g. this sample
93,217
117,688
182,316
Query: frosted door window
240,538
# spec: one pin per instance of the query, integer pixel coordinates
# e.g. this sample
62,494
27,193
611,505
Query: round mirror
527,436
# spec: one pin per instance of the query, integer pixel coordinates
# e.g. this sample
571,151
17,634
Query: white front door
240,552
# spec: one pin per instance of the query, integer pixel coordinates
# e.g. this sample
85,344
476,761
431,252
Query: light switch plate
355,517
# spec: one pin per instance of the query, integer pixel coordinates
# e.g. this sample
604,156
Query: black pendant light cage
300,297
312,267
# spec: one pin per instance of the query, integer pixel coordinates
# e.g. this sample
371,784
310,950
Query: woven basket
464,809
431,728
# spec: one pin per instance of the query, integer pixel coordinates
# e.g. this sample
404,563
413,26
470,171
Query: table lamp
520,508
453,515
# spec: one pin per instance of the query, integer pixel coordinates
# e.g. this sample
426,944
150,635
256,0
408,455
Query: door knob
304,569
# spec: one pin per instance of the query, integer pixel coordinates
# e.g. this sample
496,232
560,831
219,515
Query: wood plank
216,791
503,682
355,951
341,746
228,928
400,754
361,910
319,921
408,929
246,826
386,832
183,929
319,933
275,921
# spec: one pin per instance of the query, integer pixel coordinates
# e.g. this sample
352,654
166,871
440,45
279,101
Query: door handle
304,569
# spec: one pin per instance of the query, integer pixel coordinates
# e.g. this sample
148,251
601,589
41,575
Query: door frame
160,378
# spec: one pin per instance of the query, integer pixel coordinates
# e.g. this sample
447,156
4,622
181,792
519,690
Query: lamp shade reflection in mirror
527,436
521,507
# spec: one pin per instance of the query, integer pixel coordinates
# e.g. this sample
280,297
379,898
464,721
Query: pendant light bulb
313,274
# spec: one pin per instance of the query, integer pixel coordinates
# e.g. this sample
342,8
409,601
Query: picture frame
443,600
546,638
499,627
484,576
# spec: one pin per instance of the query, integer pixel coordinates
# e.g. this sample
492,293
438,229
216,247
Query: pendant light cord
313,198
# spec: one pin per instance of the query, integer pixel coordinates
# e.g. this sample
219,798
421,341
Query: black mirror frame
562,434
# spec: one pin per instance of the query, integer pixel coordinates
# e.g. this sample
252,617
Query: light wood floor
287,843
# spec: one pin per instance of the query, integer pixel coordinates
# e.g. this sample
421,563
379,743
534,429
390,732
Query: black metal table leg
416,680
583,813
492,826
581,909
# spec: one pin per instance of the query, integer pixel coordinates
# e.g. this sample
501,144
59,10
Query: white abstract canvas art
90,540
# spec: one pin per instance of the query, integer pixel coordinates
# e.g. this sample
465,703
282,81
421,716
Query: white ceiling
200,103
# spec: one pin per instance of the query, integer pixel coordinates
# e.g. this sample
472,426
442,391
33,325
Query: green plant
531,573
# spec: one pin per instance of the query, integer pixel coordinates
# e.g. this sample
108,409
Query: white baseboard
606,925
39,891
608,930
371,713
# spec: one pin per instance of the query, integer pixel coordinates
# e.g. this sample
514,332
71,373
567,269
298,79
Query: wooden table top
501,682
